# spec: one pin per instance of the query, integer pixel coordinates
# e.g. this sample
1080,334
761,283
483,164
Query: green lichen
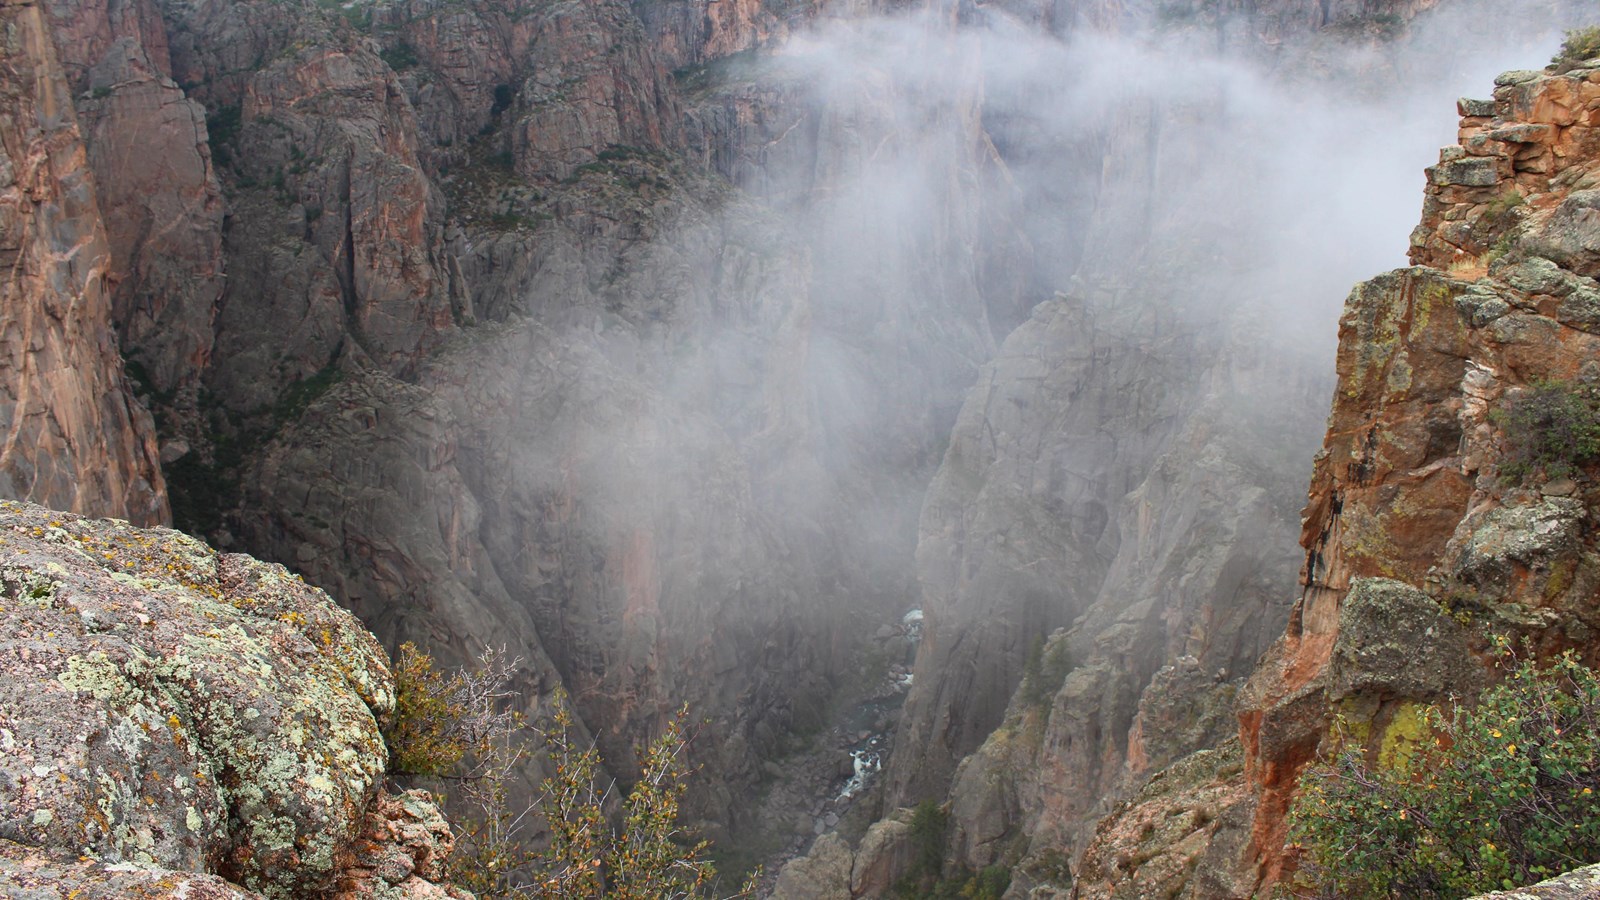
268,692
97,675
1406,730
1366,536
28,586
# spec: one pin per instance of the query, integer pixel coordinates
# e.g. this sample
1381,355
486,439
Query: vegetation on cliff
1491,796
455,726
1551,427
1580,44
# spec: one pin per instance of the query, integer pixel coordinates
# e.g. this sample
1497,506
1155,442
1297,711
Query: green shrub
929,821
1551,427
928,878
1504,794
1581,44
222,126
1044,672
400,57
439,721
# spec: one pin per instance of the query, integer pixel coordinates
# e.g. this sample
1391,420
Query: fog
760,444
948,166
1279,175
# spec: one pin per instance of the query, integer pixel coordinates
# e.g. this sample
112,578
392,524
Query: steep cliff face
499,356
1030,525
334,245
1426,532
163,221
74,437
688,34
1415,481
180,722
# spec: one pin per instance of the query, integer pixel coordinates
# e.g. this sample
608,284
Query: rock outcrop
1415,481
451,307
584,503
173,716
701,31
832,871
1168,583
1178,836
74,436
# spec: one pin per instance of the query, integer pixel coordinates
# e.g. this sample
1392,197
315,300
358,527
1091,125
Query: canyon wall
74,437
631,336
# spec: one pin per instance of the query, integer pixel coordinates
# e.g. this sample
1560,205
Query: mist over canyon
933,382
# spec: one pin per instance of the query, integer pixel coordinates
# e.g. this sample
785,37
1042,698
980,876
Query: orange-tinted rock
1413,482
74,437
687,34
163,219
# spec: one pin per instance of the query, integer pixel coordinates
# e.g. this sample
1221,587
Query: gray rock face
823,874
334,249
598,85
1178,836
1018,528
1024,531
75,438
600,408
1571,237
1395,640
163,223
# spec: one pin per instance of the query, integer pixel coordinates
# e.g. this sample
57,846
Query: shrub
1551,426
928,824
438,721
452,727
1044,672
222,126
1581,44
400,57
1499,795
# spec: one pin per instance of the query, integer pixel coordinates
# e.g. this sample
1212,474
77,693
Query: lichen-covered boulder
33,873
1395,640
1579,884
164,706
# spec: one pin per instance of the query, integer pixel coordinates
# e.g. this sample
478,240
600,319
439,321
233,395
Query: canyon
690,351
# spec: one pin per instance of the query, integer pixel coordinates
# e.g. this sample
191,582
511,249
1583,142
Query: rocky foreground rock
177,722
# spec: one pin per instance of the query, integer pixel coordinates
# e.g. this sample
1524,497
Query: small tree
454,728
1506,793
